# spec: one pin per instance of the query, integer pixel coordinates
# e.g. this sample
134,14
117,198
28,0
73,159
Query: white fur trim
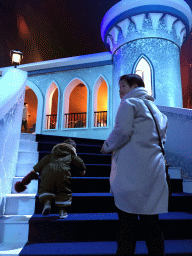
47,194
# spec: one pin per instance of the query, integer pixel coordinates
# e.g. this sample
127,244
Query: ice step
20,204
175,172
27,145
23,169
187,185
28,136
28,157
14,229
32,187
11,249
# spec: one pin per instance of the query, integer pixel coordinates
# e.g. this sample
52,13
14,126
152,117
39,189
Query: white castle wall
88,76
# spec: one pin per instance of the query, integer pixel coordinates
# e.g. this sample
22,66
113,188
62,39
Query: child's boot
47,208
62,213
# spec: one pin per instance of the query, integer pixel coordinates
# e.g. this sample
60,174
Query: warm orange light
16,57
22,27
54,102
78,99
102,97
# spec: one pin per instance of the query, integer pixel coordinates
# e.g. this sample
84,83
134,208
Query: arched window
100,103
51,107
40,106
29,111
143,69
75,105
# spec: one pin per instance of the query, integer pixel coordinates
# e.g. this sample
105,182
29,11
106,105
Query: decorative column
154,30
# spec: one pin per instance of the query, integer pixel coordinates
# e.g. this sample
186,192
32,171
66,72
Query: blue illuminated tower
145,37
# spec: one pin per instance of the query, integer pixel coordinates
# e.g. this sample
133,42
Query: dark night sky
52,29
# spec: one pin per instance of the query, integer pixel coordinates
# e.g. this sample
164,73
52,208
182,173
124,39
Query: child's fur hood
63,149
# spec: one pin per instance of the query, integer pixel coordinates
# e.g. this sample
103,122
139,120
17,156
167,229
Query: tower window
143,69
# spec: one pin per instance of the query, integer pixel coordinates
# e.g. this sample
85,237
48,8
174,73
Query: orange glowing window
77,115
102,97
78,99
51,107
100,103
54,102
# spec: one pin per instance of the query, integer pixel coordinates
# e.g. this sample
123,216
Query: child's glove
82,173
20,185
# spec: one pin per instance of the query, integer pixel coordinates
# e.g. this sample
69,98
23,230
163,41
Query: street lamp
16,57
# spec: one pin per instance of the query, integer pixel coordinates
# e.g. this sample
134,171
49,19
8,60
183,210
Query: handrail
11,89
100,118
51,121
75,120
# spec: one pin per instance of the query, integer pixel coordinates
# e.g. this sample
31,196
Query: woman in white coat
138,179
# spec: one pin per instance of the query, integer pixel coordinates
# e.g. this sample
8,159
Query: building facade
79,96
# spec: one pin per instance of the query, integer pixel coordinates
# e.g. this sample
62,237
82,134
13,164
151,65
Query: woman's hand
102,150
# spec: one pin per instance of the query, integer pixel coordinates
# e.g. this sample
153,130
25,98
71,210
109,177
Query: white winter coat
138,179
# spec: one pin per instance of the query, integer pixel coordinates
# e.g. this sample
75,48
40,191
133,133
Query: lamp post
16,57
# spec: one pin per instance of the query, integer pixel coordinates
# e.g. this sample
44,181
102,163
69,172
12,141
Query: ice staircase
91,225
20,207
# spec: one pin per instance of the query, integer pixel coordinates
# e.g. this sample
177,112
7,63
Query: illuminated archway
143,69
29,111
100,102
51,107
40,102
75,104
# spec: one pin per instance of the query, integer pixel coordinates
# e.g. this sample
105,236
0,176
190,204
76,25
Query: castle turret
145,37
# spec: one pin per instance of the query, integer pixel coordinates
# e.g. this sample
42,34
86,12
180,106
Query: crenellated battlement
154,25
128,21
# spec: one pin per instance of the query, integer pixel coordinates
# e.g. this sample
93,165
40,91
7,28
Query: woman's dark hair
132,79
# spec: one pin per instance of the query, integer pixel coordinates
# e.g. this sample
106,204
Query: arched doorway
100,103
51,107
29,111
75,109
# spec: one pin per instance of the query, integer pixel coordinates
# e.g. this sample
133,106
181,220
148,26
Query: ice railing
178,147
12,89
